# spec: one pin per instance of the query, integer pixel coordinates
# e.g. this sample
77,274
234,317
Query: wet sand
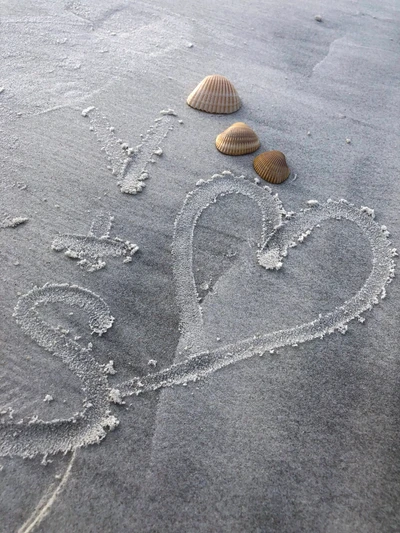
99,153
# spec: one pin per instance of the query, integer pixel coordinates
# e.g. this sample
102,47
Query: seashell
215,94
238,139
271,166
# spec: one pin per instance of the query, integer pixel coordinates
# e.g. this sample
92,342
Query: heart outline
269,255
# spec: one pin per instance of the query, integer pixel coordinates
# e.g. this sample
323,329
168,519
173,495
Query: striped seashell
215,94
271,166
238,139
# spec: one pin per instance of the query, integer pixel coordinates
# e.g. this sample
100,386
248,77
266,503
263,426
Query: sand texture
184,347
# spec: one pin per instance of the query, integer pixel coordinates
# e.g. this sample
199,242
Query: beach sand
99,152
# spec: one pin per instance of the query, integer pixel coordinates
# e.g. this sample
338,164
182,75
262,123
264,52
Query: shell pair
240,139
216,94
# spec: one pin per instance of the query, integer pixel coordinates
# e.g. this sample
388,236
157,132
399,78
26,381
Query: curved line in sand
44,507
92,424
197,201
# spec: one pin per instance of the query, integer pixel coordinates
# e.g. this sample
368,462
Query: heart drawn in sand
280,231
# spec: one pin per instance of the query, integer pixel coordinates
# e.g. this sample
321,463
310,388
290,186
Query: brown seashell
238,139
215,94
271,166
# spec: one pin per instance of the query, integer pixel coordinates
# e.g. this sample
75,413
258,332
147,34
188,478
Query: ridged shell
238,139
215,94
272,166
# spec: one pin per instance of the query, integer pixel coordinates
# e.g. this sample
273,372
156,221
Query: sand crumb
9,222
109,368
48,398
86,111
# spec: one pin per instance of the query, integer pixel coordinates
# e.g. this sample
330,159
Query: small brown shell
215,94
238,139
272,166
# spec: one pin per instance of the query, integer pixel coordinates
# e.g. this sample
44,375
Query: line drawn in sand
18,184
280,232
12,222
130,165
90,249
46,502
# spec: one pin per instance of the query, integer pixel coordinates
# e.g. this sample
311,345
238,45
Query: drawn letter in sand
90,249
130,165
92,423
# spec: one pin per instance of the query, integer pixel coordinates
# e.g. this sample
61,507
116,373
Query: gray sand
305,438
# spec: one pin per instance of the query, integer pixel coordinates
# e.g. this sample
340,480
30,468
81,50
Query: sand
205,354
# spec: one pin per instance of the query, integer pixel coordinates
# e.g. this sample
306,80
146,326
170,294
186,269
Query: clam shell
215,94
238,139
271,166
